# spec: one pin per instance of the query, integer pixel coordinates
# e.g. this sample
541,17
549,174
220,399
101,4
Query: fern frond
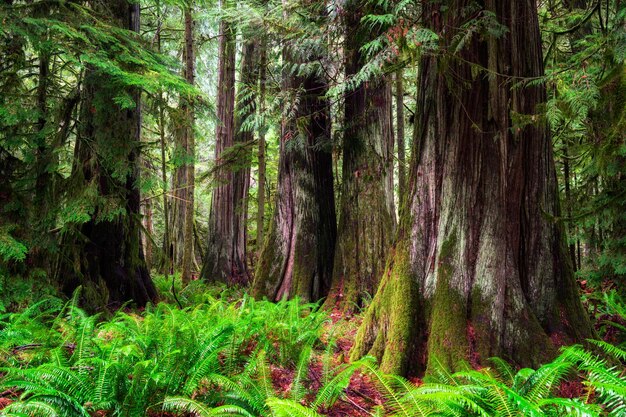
289,408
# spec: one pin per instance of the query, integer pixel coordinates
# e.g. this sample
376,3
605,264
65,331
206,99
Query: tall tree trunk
296,260
219,263
260,219
244,138
165,261
182,199
190,150
148,233
400,135
105,256
480,267
568,201
367,214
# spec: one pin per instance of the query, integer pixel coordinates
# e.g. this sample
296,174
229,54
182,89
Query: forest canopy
303,208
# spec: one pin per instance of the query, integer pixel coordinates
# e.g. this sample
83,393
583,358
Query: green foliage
231,358
10,248
216,358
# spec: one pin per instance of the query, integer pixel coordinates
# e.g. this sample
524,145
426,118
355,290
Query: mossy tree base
481,266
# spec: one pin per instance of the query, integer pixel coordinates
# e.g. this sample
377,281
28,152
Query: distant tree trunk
190,150
400,135
105,256
220,264
296,260
480,267
260,219
147,233
367,214
244,138
181,248
568,202
165,261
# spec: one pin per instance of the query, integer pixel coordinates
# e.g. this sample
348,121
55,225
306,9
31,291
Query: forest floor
224,349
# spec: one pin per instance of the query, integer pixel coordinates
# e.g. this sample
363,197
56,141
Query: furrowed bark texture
260,220
221,263
105,256
296,259
367,212
479,269
181,247
244,138
400,135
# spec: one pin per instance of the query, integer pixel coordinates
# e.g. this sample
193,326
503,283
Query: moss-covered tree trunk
367,212
105,255
480,267
296,259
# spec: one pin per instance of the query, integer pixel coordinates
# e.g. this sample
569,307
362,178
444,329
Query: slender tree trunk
367,213
219,264
106,255
165,262
189,143
147,233
568,201
296,260
181,246
244,138
260,219
400,135
480,267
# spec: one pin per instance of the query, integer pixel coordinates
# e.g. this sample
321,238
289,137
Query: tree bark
190,150
400,135
105,256
296,259
244,139
181,248
220,263
367,214
260,219
480,267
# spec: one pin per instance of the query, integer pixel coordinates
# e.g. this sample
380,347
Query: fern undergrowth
235,356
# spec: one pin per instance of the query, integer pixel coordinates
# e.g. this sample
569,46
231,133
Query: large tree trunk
296,260
480,267
105,255
367,214
400,134
219,264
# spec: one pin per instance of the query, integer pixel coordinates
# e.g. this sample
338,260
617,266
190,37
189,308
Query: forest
307,208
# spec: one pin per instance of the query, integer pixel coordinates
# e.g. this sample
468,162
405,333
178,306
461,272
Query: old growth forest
307,208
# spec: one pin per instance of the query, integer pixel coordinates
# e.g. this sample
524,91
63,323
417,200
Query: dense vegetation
303,208
227,354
